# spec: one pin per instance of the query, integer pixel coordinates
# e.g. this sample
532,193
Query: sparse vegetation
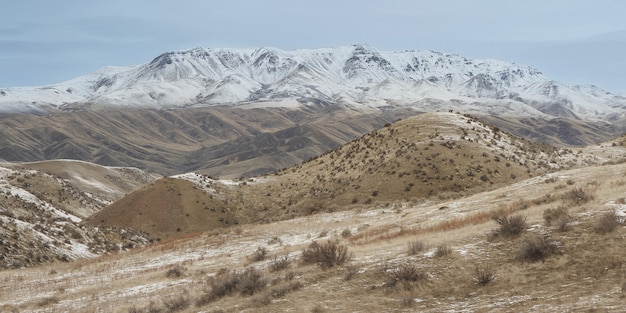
407,274
509,226
442,250
415,247
177,303
247,282
47,301
484,274
279,263
578,196
557,217
607,223
537,248
351,271
384,232
259,254
325,255
176,271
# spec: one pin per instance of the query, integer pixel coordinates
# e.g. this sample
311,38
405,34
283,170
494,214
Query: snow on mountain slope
354,75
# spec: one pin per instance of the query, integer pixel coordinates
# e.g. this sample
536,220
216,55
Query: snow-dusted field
115,282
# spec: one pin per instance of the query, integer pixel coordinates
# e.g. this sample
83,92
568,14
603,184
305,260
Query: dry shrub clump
442,250
484,274
325,255
406,274
176,271
47,301
351,272
259,254
279,292
510,226
279,263
247,282
176,304
538,248
557,217
151,308
607,223
415,247
578,196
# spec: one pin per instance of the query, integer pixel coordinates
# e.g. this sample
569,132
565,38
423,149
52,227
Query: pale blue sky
576,42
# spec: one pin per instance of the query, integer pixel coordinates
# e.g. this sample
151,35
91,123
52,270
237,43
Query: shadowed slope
177,141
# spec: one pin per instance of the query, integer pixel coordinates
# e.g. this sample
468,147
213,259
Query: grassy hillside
446,255
433,156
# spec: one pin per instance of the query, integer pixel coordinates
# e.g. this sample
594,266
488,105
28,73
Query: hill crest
431,156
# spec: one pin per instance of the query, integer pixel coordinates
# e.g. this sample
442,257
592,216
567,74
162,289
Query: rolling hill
42,205
430,254
432,156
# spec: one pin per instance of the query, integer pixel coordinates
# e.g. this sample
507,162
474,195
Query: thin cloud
574,41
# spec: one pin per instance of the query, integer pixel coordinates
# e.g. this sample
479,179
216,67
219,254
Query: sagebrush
325,255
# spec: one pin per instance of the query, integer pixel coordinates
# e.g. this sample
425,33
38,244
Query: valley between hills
433,212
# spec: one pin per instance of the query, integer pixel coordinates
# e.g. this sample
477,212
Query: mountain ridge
357,75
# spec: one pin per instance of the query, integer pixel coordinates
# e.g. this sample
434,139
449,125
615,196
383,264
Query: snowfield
360,76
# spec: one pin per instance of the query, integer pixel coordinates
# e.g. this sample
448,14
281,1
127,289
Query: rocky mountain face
359,76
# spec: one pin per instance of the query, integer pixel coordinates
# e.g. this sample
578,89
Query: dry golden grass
586,275
435,156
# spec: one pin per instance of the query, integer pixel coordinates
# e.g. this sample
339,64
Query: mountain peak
357,75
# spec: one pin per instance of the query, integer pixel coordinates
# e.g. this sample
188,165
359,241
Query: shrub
153,308
47,301
134,309
557,217
247,282
282,291
351,271
176,271
259,254
407,274
484,274
607,222
538,248
578,196
280,263
251,281
177,304
415,247
221,285
510,226
346,233
326,255
290,275
442,250
317,309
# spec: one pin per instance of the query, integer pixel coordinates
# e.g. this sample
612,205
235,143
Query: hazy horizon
575,42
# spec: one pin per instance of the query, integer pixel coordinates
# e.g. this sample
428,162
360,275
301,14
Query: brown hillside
166,208
430,156
178,141
433,156
42,205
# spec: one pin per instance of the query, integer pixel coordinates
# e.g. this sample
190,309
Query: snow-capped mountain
353,75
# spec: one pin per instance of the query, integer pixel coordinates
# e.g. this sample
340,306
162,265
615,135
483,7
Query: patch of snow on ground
31,198
200,181
94,184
